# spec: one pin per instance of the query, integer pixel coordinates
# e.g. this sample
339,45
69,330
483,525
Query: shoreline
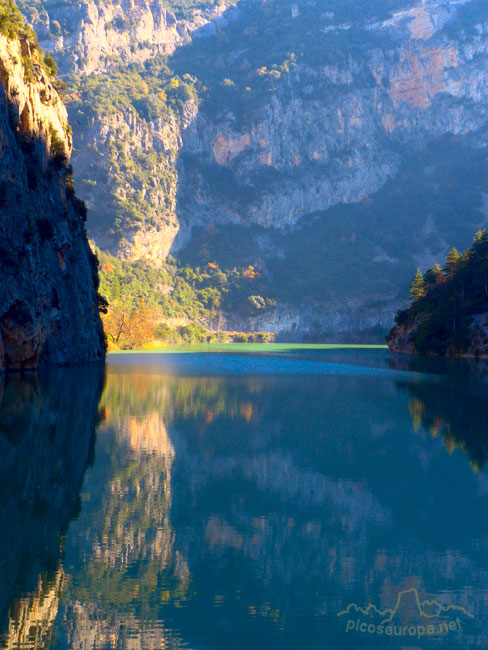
249,347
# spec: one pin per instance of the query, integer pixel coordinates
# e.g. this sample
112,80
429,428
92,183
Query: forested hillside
449,306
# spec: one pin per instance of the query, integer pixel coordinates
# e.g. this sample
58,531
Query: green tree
452,262
116,289
433,277
418,288
480,236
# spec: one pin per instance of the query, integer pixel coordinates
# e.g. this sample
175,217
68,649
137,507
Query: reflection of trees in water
136,395
47,427
458,417
455,409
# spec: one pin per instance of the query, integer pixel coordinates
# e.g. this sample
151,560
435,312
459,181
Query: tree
480,237
140,327
452,262
418,289
129,326
50,65
115,321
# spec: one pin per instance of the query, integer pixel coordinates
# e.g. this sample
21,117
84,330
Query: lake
272,498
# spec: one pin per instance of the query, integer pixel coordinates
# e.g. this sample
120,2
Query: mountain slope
289,120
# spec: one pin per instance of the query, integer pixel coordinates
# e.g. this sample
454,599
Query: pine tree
480,236
418,288
452,262
480,245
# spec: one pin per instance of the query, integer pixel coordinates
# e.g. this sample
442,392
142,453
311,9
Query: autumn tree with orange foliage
130,326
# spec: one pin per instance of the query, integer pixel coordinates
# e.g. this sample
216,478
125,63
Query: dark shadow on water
461,369
458,418
47,435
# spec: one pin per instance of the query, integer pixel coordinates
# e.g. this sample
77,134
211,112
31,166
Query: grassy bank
249,347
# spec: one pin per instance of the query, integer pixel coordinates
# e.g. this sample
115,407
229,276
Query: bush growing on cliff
50,65
58,150
12,23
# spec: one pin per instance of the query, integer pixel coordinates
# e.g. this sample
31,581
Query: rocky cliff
48,290
311,128
92,36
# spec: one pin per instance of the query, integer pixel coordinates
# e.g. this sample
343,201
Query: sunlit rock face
335,132
94,36
331,132
48,289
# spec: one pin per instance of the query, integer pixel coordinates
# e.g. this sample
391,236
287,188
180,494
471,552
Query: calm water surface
290,500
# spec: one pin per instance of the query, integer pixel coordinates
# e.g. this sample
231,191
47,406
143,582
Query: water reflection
458,417
47,425
248,512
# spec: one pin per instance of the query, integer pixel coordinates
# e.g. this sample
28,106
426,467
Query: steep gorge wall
48,292
332,129
334,133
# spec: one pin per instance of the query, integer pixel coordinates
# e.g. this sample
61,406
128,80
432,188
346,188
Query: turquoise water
271,499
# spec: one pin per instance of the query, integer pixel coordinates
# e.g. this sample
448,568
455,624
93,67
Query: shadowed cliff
48,275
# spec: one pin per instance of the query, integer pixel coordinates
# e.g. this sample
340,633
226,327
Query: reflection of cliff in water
123,562
259,496
315,482
47,433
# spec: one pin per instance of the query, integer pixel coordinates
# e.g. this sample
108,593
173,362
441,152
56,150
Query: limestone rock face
157,143
93,36
330,133
337,133
48,288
